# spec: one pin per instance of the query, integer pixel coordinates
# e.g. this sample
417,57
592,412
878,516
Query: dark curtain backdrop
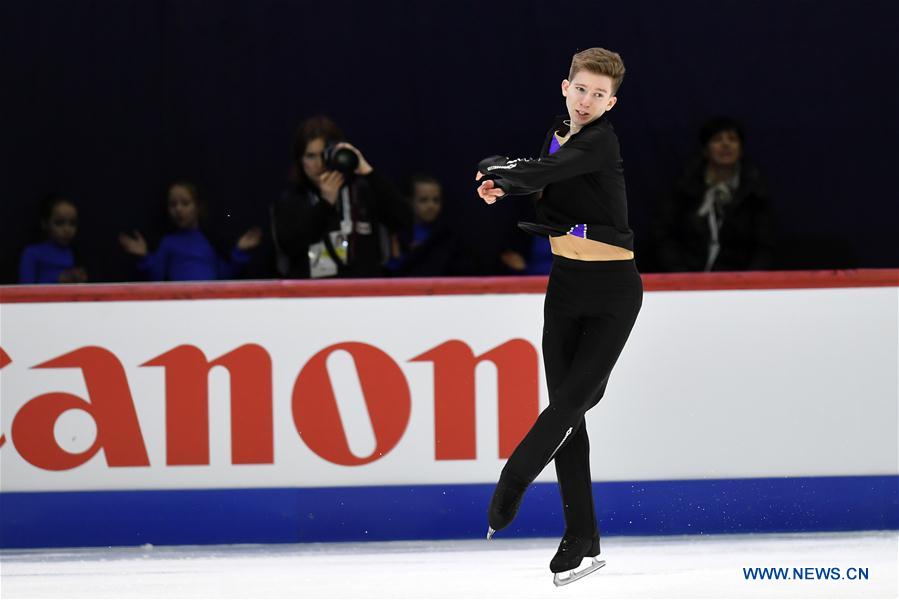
107,101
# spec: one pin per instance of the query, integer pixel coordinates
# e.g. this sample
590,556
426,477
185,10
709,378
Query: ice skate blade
490,532
574,574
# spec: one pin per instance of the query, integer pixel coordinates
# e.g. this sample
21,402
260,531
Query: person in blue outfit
429,247
187,254
54,260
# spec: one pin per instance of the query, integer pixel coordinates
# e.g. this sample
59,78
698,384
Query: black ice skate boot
572,552
505,503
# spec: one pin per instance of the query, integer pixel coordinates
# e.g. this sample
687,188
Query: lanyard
346,223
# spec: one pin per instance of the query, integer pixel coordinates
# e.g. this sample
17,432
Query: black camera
340,159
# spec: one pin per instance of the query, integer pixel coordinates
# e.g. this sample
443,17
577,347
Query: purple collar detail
554,145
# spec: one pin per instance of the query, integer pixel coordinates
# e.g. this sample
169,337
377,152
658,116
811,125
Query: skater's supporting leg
572,551
561,334
575,484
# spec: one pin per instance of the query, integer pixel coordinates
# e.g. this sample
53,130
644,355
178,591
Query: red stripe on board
107,292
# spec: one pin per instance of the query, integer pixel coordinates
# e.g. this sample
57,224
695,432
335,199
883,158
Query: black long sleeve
667,232
765,233
297,223
582,182
393,210
588,151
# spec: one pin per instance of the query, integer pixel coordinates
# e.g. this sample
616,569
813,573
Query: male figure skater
592,301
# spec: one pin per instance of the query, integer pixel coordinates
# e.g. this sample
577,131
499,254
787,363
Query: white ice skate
590,564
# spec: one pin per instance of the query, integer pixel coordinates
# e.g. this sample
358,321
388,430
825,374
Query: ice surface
646,567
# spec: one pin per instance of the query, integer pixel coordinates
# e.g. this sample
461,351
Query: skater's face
426,201
724,149
183,208
587,96
62,224
313,159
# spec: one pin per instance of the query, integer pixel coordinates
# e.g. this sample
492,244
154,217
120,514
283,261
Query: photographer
332,221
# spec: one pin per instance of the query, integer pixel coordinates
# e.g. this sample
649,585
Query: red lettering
4,360
387,398
454,395
313,404
187,404
110,406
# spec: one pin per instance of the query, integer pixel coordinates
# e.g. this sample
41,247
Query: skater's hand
330,183
488,190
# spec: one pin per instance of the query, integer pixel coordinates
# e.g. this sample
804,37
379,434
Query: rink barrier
127,517
262,516
654,282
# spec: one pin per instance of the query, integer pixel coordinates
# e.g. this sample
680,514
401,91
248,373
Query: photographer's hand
329,183
364,167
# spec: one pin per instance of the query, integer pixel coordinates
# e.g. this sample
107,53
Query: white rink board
712,384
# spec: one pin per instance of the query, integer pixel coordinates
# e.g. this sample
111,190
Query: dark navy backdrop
107,100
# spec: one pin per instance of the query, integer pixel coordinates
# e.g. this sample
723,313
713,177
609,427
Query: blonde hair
600,62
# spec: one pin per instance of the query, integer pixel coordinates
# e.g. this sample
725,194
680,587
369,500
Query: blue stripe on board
162,517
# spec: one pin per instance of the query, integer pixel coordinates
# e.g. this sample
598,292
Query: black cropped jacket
582,185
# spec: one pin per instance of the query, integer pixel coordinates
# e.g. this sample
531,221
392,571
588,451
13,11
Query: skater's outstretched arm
585,152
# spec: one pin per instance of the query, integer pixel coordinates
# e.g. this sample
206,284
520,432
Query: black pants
589,311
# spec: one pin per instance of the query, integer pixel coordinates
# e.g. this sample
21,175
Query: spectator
54,260
429,247
186,254
719,217
333,223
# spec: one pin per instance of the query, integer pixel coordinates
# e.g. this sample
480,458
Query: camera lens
341,159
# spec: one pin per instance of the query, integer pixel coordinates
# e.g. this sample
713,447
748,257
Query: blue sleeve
28,266
153,265
235,263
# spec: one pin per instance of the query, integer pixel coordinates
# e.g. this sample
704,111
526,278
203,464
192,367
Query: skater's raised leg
558,353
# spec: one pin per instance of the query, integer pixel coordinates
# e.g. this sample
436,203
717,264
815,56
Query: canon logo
313,404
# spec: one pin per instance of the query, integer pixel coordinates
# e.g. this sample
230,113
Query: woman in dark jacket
719,216
332,223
